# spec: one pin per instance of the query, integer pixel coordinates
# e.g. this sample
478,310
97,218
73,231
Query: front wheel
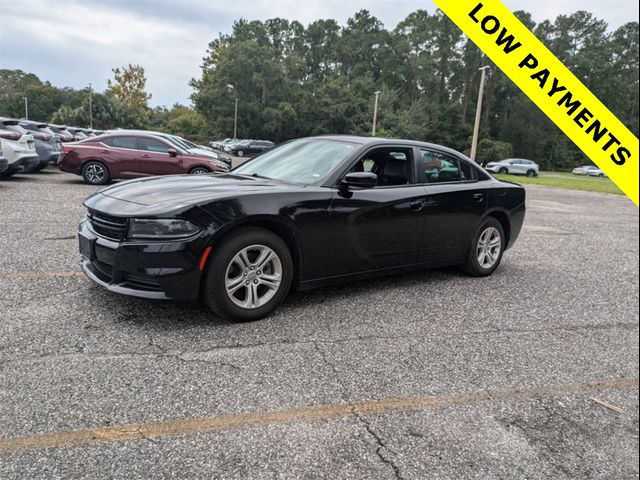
531,173
487,247
199,171
248,275
240,153
95,173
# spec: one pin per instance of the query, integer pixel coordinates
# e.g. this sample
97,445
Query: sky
77,42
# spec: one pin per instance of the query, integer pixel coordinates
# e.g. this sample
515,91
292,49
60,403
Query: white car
4,163
20,151
584,170
596,172
514,166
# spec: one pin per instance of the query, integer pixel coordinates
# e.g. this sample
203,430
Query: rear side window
121,142
436,167
152,145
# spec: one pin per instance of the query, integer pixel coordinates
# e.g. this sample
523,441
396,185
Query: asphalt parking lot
429,375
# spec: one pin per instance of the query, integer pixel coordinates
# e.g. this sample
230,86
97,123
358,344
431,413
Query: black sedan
311,212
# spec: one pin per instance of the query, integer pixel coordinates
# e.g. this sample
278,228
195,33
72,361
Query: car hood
201,152
168,194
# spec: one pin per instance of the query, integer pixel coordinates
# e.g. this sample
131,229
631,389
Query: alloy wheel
95,173
253,276
489,246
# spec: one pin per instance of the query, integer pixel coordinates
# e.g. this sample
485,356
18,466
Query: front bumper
153,270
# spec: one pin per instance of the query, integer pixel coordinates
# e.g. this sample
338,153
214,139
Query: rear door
120,154
456,200
154,158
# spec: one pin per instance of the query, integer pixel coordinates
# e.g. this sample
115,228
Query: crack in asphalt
314,342
381,445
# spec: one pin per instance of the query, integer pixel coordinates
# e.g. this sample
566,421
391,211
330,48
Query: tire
225,268
199,171
531,173
472,265
503,170
7,174
95,173
601,175
240,153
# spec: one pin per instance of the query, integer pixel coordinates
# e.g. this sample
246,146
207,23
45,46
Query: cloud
74,43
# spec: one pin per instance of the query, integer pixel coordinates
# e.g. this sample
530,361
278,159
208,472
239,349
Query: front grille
107,226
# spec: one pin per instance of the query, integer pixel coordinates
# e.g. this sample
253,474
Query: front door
379,227
154,158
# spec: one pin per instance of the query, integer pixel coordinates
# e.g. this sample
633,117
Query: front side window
306,161
152,145
436,167
391,165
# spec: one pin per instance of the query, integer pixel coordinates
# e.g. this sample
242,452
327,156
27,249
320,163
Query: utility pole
375,113
235,121
476,126
26,108
90,107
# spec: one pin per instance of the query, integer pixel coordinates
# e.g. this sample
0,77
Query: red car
131,155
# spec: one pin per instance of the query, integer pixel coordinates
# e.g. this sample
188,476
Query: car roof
381,141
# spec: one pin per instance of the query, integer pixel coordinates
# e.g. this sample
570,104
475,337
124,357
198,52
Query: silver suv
514,166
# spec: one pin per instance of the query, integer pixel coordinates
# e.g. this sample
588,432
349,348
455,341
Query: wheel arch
273,224
502,217
98,160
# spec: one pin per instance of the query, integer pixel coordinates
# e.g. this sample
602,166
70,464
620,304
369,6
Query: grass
565,180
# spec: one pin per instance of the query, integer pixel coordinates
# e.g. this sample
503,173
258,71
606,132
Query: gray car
47,143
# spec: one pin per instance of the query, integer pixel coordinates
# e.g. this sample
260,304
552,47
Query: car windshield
304,161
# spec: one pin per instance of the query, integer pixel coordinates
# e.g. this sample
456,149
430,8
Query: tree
128,90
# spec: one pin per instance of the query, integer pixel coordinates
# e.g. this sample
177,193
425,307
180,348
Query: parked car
310,212
4,163
248,147
130,155
62,131
584,170
47,145
182,143
19,150
597,173
514,166
78,133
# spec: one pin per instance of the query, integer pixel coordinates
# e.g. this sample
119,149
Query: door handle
478,197
145,156
417,205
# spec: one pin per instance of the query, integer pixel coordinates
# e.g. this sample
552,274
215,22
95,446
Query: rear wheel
487,247
199,171
95,173
503,170
248,275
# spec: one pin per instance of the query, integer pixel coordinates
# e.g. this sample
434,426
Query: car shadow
175,316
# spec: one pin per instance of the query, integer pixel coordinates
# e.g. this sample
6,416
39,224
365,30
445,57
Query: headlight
164,228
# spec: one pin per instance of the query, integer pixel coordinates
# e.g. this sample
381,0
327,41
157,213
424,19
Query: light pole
26,108
235,121
375,113
476,126
90,107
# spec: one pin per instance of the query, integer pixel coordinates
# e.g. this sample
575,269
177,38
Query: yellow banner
551,86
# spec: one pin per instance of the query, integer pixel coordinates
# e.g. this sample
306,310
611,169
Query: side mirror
360,180
172,152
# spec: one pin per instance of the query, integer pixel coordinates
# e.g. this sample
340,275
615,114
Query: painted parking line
121,433
42,274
